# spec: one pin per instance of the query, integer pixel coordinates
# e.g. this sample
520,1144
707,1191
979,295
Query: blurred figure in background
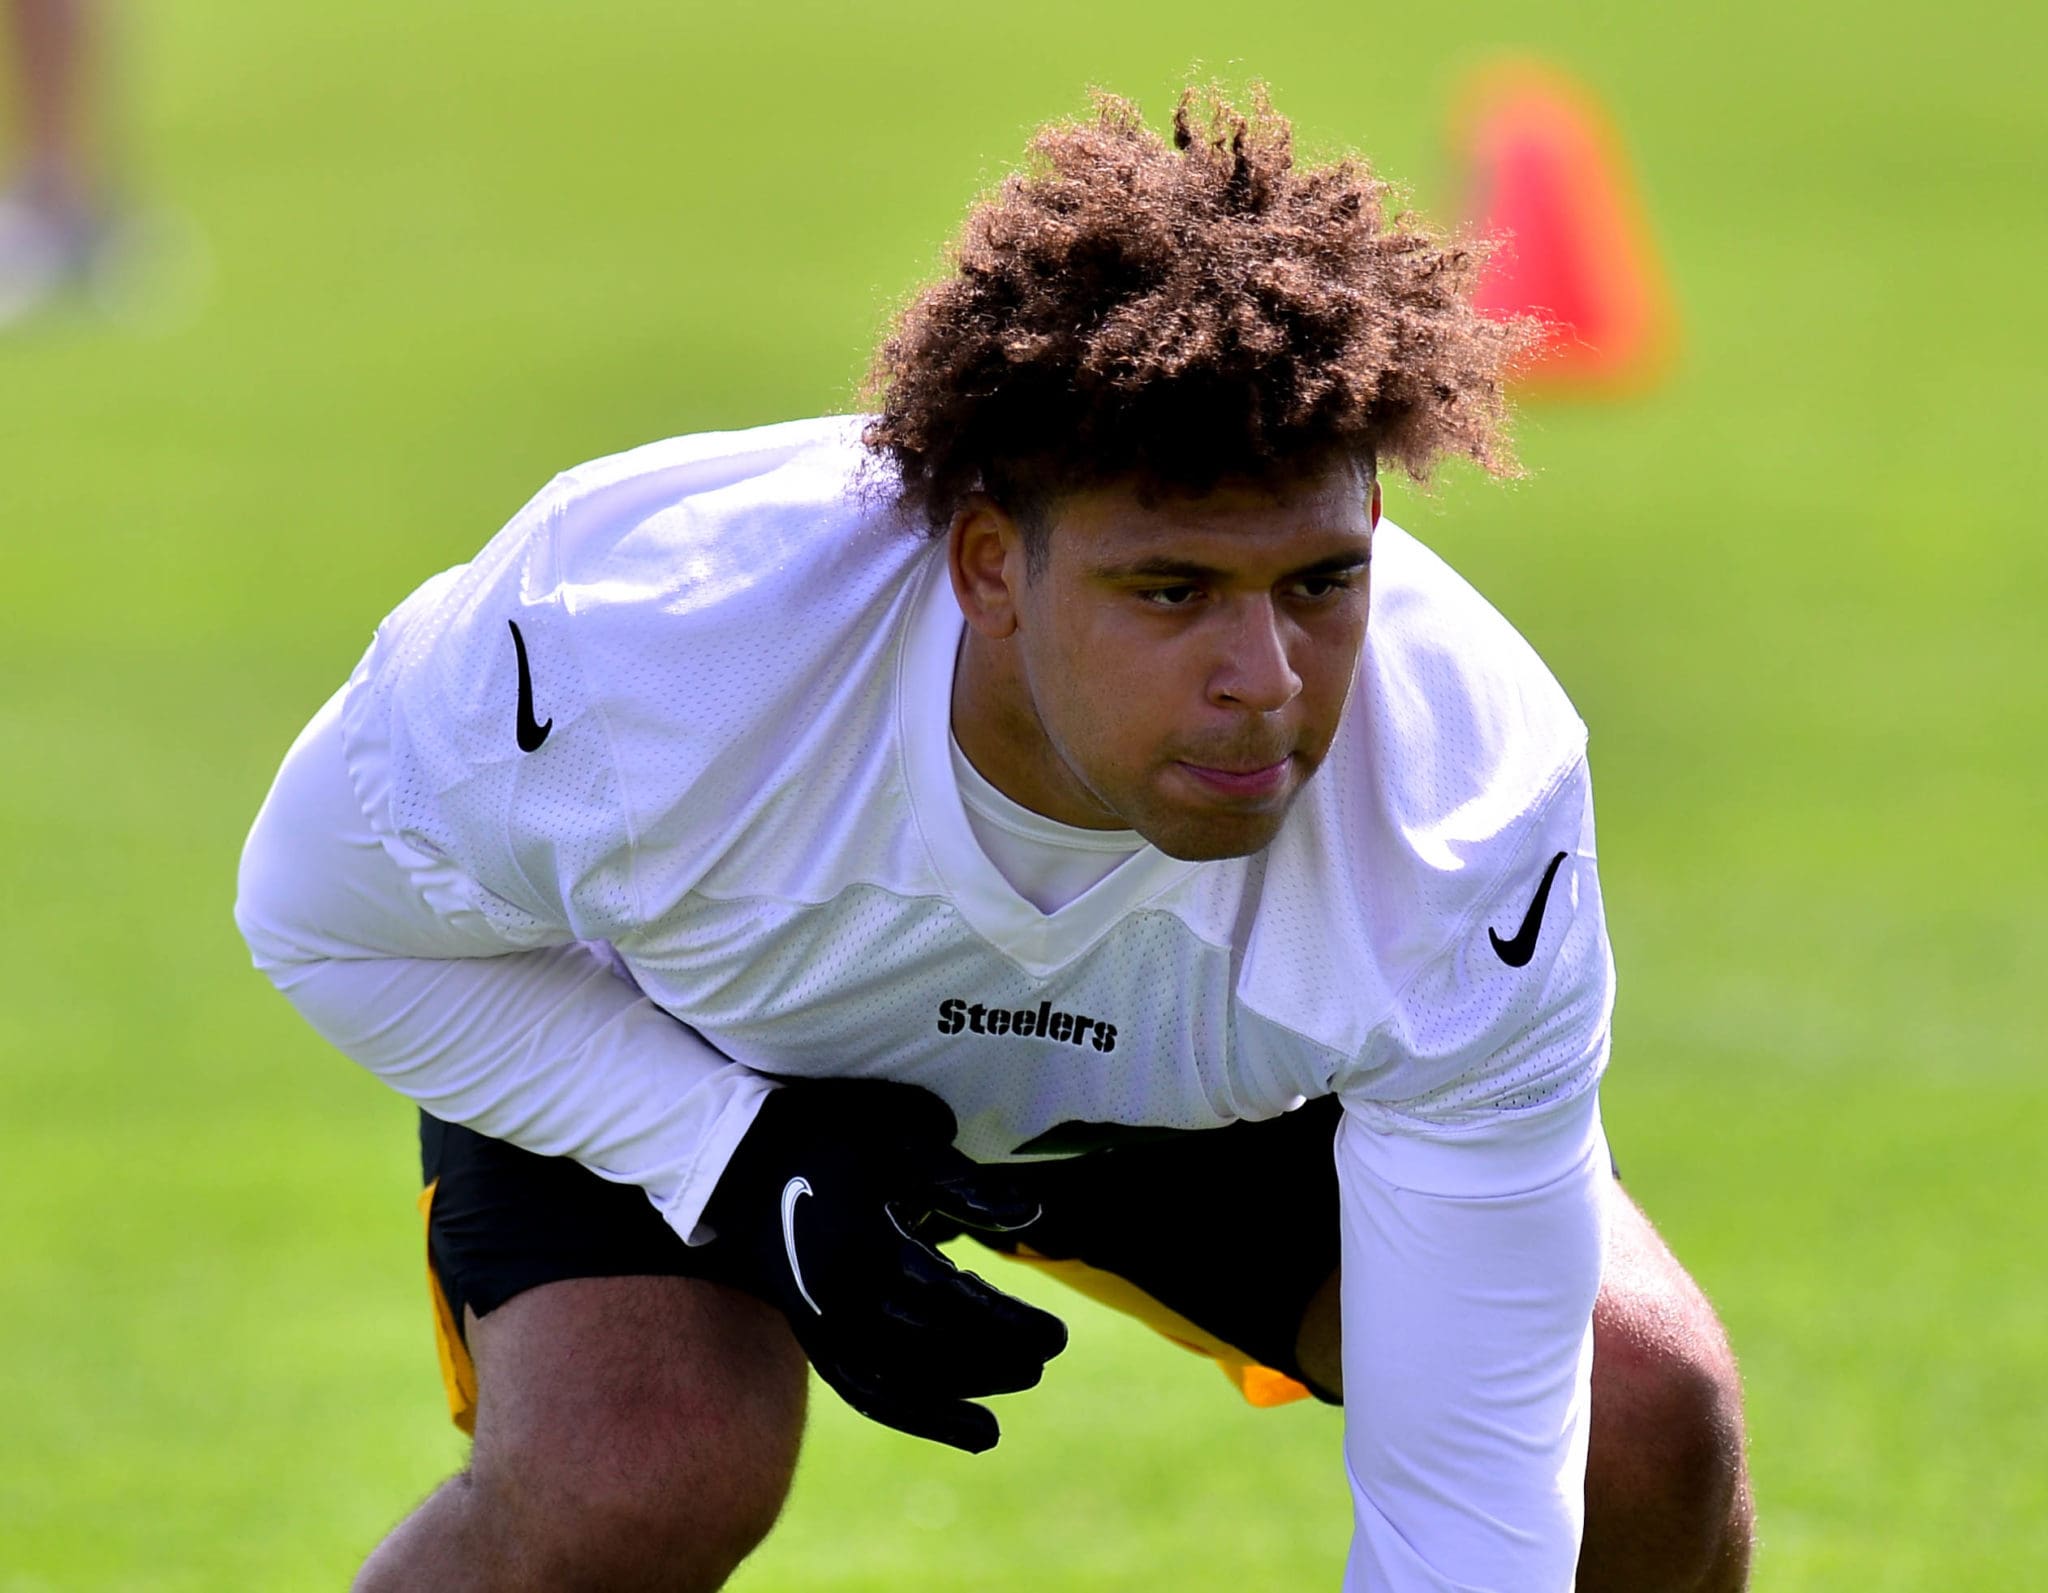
52,216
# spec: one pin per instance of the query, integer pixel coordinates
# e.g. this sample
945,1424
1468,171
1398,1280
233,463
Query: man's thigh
502,1223
671,1408
636,1420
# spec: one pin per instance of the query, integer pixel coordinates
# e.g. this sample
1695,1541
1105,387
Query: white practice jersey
655,798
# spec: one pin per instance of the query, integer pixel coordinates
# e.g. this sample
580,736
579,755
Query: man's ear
985,555
1375,503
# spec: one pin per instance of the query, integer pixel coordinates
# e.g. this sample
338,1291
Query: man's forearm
1467,1355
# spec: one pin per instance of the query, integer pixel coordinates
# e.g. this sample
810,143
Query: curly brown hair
1183,315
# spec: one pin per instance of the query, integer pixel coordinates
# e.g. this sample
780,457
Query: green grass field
454,248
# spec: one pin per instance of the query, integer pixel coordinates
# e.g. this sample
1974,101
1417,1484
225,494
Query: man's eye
1319,586
1169,596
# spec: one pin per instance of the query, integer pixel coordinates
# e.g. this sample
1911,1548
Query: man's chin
1215,836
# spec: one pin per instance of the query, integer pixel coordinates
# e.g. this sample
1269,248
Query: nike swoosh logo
1517,952
530,734
792,1192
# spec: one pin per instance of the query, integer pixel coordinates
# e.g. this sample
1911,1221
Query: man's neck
997,728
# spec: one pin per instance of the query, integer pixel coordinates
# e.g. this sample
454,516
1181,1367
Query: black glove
829,1209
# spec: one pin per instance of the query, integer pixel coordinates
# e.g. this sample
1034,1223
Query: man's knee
1667,1422
1667,1497
561,1530
634,1432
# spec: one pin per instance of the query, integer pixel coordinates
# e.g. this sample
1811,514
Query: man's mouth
1241,780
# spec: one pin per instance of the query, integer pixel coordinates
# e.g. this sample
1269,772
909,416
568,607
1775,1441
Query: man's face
1178,669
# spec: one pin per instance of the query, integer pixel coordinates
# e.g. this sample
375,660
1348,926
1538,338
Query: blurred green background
449,249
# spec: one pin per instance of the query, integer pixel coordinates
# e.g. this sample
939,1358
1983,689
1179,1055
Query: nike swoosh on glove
828,1209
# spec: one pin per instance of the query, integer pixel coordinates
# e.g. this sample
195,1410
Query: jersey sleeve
535,1037
1510,1018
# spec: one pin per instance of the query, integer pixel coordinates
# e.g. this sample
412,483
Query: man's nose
1254,670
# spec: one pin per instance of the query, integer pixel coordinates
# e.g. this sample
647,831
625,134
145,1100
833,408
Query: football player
776,852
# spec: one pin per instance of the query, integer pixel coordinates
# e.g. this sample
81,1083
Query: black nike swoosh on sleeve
1517,952
530,735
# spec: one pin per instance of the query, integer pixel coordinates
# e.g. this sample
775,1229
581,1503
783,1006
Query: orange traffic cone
1545,177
